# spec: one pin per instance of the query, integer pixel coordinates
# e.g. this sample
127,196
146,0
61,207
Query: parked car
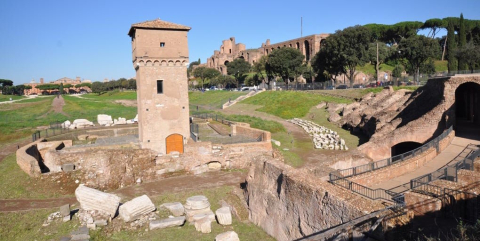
358,86
342,87
330,87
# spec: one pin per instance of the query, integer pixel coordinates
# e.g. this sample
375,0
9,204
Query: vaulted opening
467,109
404,147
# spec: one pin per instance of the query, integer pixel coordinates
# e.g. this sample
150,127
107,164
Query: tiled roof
158,24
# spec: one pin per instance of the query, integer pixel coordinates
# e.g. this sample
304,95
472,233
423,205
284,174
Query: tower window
159,86
162,44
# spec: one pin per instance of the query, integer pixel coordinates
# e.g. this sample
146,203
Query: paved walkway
451,152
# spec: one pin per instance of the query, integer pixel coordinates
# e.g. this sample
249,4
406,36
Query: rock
321,105
197,202
68,167
204,225
136,207
208,214
65,239
120,121
81,123
277,143
101,223
66,218
80,234
65,210
91,226
82,137
92,199
227,236
129,122
80,237
165,223
176,208
224,216
190,213
214,166
104,119
200,169
66,124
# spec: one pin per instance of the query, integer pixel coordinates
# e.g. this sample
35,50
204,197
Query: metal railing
354,171
374,194
449,172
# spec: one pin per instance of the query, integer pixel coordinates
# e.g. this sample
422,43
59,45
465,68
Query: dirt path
168,185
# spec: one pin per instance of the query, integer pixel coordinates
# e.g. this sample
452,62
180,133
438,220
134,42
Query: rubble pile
323,138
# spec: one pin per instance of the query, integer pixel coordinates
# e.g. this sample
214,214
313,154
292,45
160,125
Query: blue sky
55,39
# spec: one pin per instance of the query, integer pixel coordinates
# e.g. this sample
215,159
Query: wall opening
467,106
174,142
298,45
307,50
404,147
226,62
159,86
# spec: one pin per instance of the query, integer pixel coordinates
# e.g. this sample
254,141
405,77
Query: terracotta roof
157,24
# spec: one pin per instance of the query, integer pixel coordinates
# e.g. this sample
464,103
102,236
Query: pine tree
462,41
451,48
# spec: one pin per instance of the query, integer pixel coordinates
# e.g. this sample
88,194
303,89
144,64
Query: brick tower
160,59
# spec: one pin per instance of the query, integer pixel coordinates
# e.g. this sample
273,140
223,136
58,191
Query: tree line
122,83
399,45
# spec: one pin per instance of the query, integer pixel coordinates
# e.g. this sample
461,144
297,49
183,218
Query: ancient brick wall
422,204
27,159
402,167
251,132
289,203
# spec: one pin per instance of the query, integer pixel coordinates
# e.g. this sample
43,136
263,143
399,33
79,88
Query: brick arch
148,63
178,63
170,63
141,63
163,63
156,63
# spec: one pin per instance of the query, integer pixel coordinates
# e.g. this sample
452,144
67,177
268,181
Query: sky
54,39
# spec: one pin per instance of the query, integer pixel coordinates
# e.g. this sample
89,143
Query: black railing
354,171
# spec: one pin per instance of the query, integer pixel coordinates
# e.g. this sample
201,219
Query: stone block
208,214
80,237
197,202
200,169
165,223
65,239
227,236
104,119
101,223
176,208
224,216
190,213
68,167
65,210
204,225
135,208
92,199
66,218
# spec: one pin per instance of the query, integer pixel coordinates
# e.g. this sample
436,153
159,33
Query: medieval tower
160,59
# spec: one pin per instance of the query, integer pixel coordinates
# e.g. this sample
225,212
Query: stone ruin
323,138
98,209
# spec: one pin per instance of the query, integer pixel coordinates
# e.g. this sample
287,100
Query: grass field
7,97
78,108
113,95
28,225
212,99
289,104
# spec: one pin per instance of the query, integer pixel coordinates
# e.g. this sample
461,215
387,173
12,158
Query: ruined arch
226,62
404,147
297,45
266,50
467,107
306,50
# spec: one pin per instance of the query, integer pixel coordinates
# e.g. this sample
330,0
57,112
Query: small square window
159,86
162,44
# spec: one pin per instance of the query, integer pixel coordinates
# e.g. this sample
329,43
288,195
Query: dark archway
241,57
307,50
226,62
467,110
404,147
298,45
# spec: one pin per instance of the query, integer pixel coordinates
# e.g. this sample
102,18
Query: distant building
65,81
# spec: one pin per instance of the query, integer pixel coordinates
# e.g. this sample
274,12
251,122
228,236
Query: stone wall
422,204
28,158
290,203
251,132
402,167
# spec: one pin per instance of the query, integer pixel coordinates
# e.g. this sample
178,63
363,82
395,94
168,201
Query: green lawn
370,69
212,99
289,104
113,95
441,66
78,108
7,97
267,125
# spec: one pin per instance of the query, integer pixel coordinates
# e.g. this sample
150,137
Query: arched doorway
404,147
174,142
307,50
467,108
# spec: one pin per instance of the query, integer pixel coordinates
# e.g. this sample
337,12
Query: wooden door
174,143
